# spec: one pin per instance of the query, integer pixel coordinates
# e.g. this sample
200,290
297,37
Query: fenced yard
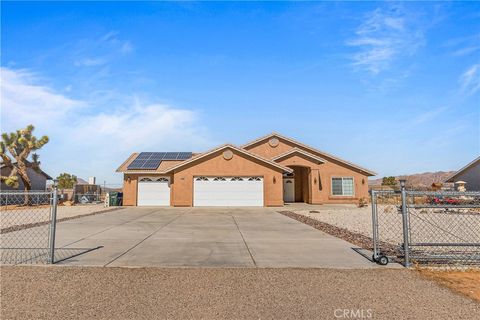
443,227
33,209
28,221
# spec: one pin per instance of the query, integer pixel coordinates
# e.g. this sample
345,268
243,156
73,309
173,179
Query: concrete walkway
209,237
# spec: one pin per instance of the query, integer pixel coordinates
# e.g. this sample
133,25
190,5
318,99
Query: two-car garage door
228,191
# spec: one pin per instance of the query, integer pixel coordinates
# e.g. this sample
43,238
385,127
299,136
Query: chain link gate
434,228
28,223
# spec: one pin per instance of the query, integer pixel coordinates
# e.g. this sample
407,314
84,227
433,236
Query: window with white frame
342,187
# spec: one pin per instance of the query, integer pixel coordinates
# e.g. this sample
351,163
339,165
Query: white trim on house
342,195
297,150
229,146
369,172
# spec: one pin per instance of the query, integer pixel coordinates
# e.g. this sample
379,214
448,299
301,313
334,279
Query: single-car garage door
228,191
153,192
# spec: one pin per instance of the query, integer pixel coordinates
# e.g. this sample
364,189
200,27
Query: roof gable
31,167
295,151
462,170
307,148
204,156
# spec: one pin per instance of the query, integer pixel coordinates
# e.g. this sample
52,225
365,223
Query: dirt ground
465,282
223,293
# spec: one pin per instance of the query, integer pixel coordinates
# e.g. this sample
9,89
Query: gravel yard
31,215
358,220
426,224
235,293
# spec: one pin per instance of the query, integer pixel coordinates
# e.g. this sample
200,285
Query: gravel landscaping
235,293
426,224
21,218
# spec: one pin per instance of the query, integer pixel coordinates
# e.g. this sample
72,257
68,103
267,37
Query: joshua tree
20,144
66,181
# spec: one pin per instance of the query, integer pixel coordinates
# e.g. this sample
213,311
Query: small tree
20,144
389,181
66,180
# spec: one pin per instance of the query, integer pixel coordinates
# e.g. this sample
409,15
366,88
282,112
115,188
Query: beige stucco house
469,174
268,171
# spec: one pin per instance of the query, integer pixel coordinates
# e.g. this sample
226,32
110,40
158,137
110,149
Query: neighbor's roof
468,166
323,153
30,165
230,146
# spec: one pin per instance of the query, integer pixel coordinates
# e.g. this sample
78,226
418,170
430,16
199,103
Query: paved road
209,237
226,293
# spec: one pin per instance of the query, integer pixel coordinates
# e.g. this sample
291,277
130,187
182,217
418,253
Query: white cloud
429,115
470,79
86,139
90,62
25,102
100,51
384,36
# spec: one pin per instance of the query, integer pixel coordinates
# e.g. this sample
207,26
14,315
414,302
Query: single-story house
268,171
469,174
37,177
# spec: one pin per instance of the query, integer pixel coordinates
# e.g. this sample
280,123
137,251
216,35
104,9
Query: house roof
297,150
30,165
304,146
164,165
230,146
465,168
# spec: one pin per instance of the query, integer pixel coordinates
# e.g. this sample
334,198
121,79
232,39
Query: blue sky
394,87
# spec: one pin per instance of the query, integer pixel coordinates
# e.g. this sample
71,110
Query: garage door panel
216,192
153,193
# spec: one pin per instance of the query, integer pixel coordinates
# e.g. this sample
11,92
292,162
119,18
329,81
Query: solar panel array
151,160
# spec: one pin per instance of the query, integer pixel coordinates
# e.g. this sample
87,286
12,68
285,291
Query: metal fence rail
27,221
432,228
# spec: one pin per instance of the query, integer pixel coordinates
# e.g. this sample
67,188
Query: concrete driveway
210,237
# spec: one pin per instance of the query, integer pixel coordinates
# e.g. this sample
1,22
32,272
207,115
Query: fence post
405,223
374,223
53,222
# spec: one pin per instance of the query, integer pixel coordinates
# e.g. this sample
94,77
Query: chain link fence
27,222
429,228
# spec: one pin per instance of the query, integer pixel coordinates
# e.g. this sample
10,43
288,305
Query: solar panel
170,156
151,160
184,155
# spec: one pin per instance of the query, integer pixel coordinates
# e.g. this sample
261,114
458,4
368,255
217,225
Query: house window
342,187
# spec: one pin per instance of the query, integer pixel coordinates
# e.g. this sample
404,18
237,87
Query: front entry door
289,190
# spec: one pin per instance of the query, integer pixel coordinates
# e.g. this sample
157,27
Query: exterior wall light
129,179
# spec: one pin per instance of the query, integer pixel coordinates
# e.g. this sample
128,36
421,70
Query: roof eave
225,146
361,169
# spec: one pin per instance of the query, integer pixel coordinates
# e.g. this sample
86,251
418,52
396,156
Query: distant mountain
419,179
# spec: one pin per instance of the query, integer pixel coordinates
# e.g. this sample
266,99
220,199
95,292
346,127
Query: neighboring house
266,172
469,174
37,177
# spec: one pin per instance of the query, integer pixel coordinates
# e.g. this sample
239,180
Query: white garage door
228,191
153,192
